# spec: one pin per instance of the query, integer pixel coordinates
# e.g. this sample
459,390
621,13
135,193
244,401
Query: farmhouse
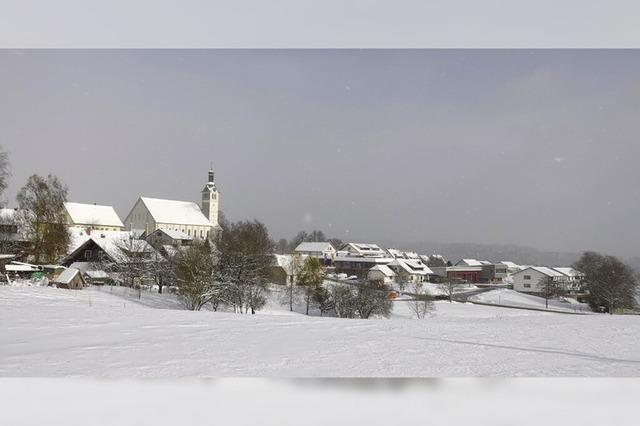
112,247
92,216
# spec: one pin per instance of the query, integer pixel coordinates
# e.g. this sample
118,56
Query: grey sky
536,148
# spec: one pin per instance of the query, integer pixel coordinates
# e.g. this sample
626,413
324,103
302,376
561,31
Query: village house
381,273
530,280
321,250
150,214
358,266
362,250
95,254
410,270
93,217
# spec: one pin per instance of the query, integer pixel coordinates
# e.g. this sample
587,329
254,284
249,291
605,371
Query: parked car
353,277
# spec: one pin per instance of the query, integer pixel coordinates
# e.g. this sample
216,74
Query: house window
526,285
527,277
189,232
87,254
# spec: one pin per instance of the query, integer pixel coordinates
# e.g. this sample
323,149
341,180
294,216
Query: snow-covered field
55,332
521,300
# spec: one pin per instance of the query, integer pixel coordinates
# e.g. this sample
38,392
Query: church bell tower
211,200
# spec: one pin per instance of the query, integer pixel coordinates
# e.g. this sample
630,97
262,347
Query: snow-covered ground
56,332
521,300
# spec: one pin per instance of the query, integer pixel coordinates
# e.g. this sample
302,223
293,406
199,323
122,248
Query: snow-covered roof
569,272
92,214
395,252
314,247
470,262
173,234
97,274
388,272
509,264
114,241
412,266
175,212
370,259
20,267
543,270
364,249
67,275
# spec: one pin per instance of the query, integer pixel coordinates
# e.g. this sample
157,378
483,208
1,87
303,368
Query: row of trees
231,269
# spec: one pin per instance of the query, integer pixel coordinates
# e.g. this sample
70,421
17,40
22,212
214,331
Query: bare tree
402,278
197,275
450,285
549,288
244,259
421,302
4,173
294,267
128,262
41,208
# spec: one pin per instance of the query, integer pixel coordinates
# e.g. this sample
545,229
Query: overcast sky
536,148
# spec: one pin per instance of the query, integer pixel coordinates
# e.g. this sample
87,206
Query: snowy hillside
513,298
55,332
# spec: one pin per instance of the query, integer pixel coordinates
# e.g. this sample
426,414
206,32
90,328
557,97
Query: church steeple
210,199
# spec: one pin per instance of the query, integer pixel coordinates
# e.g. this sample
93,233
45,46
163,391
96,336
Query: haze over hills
492,252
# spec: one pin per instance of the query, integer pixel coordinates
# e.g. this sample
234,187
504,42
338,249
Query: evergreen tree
310,278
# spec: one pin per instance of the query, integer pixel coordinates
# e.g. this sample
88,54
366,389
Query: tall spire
211,174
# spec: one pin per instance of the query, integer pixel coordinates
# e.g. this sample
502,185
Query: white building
93,216
573,277
323,250
362,250
529,280
410,270
149,214
381,272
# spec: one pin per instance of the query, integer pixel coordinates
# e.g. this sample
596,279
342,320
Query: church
150,214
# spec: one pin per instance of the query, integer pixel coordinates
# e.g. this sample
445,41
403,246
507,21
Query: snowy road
52,332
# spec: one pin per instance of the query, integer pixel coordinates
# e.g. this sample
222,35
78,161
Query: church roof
92,214
175,212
